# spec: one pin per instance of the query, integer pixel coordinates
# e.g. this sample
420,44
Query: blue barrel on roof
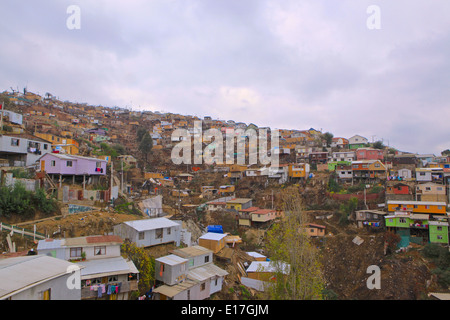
215,229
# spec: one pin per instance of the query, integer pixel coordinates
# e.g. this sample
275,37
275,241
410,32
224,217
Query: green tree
347,209
328,137
141,131
378,145
146,145
143,262
296,261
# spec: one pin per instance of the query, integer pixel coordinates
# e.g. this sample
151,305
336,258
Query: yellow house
153,175
298,170
417,206
239,204
66,145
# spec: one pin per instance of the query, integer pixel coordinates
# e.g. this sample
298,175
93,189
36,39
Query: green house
333,164
438,232
397,221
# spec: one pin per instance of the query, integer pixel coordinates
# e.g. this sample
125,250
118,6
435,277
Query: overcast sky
280,63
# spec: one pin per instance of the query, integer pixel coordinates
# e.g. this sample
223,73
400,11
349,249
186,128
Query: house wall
126,232
59,290
434,233
419,208
172,274
213,245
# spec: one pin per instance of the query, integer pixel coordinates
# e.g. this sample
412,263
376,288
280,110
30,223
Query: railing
126,286
22,231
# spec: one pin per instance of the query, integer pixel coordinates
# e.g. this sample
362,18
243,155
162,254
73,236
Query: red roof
264,211
250,209
101,239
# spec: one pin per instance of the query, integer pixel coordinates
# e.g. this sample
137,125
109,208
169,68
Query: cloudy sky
290,64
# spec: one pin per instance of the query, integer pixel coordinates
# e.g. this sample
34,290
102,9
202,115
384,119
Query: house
239,203
369,154
261,216
38,277
280,172
22,150
128,160
429,207
339,142
344,171
357,141
315,230
319,157
226,189
103,266
213,241
397,190
201,267
171,269
266,270
431,192
370,218
404,173
343,156
63,165
418,227
298,171
61,144
369,170
245,216
185,177
150,232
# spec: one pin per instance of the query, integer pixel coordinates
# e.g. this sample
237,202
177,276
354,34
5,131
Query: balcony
126,287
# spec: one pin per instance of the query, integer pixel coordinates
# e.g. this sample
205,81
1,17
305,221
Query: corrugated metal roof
171,260
266,266
205,272
150,224
213,236
20,273
47,244
106,266
191,251
171,291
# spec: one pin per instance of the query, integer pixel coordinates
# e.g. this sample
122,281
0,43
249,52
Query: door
42,165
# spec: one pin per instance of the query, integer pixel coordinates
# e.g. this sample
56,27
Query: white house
22,149
191,268
150,232
38,277
105,273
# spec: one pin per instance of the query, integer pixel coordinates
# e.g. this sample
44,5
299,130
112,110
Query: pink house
73,165
369,154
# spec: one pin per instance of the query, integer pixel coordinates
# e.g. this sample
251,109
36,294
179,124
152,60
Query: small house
213,241
315,230
150,232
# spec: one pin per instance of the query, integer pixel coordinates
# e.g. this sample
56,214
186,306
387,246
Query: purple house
74,166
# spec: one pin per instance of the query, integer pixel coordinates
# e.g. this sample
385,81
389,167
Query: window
439,188
191,263
206,259
439,228
15,142
439,237
100,251
203,286
141,236
68,163
46,295
422,173
169,230
98,164
159,233
113,278
439,207
75,252
427,188
402,220
45,146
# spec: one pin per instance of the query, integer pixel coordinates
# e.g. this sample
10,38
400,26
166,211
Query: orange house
417,206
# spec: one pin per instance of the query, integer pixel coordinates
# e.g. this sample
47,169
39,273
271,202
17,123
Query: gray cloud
284,64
